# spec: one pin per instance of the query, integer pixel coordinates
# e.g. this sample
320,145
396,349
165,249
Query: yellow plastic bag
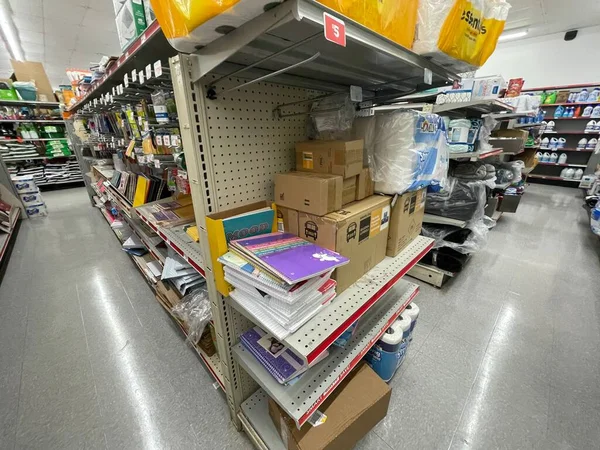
471,31
394,19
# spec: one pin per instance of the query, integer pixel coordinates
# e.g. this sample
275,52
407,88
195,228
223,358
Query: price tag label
167,140
148,71
120,89
133,76
334,29
157,69
157,163
428,76
144,37
140,120
159,139
126,80
112,100
95,102
174,140
113,91
141,77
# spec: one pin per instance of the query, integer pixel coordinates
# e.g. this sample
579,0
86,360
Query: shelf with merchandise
301,399
317,335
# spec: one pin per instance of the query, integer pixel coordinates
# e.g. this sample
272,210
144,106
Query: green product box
131,22
7,92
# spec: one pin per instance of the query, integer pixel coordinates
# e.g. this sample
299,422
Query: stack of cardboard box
329,200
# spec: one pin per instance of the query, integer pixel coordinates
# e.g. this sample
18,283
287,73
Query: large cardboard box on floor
352,410
358,231
287,220
314,193
407,220
343,158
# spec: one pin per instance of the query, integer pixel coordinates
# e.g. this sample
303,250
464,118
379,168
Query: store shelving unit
572,129
236,83
478,155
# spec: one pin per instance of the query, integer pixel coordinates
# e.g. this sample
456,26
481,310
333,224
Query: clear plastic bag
466,240
194,311
409,152
461,200
332,118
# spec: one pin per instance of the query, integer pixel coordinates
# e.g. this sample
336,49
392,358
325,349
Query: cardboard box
314,193
353,409
349,190
343,158
168,295
359,231
131,22
407,221
30,70
365,187
287,220
509,203
490,208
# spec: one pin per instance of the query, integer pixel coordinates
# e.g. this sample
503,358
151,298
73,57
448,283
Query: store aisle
89,359
506,356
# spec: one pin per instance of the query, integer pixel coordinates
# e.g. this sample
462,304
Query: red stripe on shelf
364,308
196,266
355,361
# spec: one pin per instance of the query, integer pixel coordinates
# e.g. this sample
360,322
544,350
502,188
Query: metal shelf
473,156
548,119
257,423
440,220
562,165
548,177
477,107
32,121
28,103
33,140
528,125
146,49
573,133
61,182
36,157
290,37
316,336
5,237
565,149
303,398
513,115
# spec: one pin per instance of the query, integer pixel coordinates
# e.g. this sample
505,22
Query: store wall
548,60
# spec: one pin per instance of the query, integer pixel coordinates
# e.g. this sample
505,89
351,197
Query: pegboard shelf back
303,398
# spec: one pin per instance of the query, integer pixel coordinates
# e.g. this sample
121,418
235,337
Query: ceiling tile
31,37
26,22
67,16
31,7
29,47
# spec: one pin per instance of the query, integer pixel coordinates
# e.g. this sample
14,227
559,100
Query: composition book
287,256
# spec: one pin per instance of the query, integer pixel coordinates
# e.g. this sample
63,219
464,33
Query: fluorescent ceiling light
9,32
509,36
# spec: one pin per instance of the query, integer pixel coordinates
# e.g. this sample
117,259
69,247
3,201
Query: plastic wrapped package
364,128
461,200
460,30
394,19
409,152
466,240
194,311
488,125
188,24
332,118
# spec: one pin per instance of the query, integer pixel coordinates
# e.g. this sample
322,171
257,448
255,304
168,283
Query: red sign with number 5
335,29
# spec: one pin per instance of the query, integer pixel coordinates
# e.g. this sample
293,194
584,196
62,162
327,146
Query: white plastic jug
582,143
591,125
578,174
596,112
569,173
550,126
562,159
546,157
587,112
539,156
553,157
561,142
546,143
563,173
591,145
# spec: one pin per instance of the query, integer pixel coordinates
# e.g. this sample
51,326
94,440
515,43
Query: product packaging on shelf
462,33
131,22
409,152
364,184
343,158
406,221
353,409
359,231
188,24
314,193
349,190
287,220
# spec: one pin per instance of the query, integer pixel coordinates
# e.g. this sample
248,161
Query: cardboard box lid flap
333,144
350,210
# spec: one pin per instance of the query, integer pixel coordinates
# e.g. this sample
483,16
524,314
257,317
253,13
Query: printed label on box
307,160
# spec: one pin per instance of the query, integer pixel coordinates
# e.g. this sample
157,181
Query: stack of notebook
171,213
7,213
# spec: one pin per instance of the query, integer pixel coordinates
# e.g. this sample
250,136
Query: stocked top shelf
512,115
548,119
317,335
574,133
527,125
568,149
477,107
59,121
146,49
304,397
549,177
29,103
291,35
570,104
562,165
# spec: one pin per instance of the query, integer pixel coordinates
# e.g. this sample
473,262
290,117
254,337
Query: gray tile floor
507,356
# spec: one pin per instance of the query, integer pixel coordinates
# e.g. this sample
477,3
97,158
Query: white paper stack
183,276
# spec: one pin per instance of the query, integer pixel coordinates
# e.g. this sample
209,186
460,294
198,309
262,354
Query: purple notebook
289,257
279,361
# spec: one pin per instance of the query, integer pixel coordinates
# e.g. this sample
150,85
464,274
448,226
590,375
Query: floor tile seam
386,443
87,345
472,387
21,376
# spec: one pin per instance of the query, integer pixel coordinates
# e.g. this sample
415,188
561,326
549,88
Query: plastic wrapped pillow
466,240
461,200
194,311
409,152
